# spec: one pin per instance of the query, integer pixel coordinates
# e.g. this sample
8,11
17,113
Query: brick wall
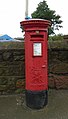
12,66
58,65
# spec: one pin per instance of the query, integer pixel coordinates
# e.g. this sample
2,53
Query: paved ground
13,107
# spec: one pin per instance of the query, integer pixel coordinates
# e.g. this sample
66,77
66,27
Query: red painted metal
36,35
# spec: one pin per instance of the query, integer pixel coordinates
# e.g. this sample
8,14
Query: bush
58,37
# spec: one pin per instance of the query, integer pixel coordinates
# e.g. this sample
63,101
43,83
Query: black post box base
36,99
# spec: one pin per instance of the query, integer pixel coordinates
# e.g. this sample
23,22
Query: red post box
36,35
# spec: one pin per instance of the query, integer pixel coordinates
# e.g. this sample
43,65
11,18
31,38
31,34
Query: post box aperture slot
34,37
37,49
37,36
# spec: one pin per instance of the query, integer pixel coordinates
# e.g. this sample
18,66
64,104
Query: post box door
36,63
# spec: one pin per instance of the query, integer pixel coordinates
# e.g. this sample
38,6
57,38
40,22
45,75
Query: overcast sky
13,11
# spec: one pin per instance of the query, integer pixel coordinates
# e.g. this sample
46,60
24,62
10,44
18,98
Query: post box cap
35,20
35,23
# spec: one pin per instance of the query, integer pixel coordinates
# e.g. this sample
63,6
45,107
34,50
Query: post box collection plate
37,49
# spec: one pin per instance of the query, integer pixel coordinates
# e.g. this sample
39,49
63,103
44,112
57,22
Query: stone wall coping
58,45
11,45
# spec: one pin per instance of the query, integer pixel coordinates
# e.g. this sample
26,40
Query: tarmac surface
14,107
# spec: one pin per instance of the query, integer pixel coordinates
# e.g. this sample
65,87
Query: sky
12,12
